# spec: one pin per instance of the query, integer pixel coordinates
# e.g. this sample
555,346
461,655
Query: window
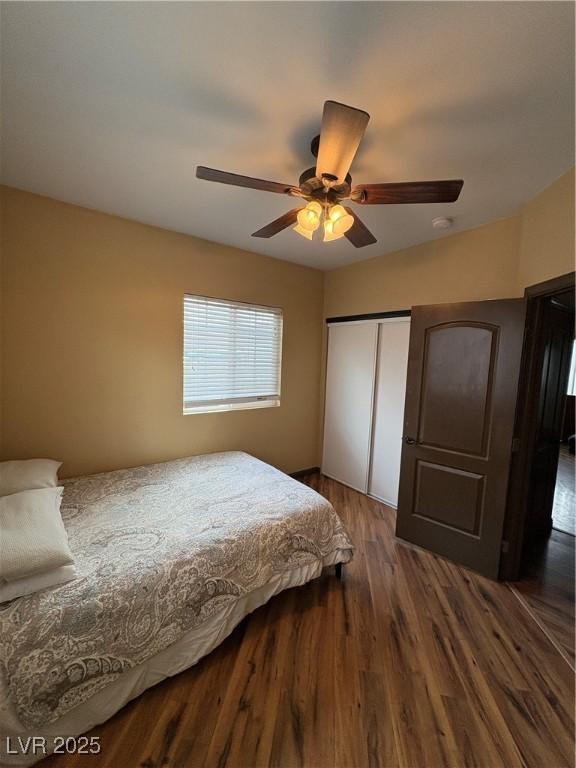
232,355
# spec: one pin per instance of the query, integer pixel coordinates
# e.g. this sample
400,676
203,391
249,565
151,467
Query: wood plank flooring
547,588
409,662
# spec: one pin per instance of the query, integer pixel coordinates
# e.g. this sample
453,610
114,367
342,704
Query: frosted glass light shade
329,233
309,217
336,212
340,218
307,233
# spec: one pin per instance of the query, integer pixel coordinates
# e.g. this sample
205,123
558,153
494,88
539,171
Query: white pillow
10,590
32,535
28,474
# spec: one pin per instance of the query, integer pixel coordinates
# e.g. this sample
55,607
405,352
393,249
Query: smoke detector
442,222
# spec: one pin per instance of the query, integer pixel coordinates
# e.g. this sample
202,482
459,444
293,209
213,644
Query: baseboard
382,501
303,472
346,485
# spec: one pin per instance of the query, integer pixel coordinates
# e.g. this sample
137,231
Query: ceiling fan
329,183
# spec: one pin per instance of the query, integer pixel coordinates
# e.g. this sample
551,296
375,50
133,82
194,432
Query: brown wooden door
463,370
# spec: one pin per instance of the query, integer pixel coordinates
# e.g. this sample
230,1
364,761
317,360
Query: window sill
231,407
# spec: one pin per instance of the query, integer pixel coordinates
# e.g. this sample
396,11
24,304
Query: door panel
349,397
394,336
449,496
463,370
460,390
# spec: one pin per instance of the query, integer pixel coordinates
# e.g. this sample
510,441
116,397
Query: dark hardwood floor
547,589
409,662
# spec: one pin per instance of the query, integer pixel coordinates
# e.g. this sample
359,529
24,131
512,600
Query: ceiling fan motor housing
315,145
313,187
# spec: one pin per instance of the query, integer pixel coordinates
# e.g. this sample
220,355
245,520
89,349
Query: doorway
564,508
541,523
540,496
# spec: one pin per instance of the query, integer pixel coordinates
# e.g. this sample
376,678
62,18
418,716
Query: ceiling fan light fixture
307,233
329,233
340,219
309,217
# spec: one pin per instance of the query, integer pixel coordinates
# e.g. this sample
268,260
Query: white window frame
213,405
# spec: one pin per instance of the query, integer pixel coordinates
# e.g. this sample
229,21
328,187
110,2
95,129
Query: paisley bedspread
158,550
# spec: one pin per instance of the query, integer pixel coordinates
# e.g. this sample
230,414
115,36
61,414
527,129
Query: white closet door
349,400
389,409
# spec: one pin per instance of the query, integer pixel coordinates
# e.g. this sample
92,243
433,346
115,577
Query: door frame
526,423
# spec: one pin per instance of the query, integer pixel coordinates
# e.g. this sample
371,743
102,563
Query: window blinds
232,355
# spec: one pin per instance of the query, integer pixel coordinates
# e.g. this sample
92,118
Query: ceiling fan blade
359,234
286,220
408,192
223,177
341,132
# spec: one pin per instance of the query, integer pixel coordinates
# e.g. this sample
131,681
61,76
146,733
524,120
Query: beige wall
92,331
91,324
547,233
476,264
493,261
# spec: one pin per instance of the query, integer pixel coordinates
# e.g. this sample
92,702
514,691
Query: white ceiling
112,105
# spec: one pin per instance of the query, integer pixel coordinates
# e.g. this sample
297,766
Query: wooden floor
410,661
547,589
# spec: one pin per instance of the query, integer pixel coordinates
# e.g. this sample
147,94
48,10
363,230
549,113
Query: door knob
409,441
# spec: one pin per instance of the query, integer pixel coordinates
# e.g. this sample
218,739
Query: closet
364,404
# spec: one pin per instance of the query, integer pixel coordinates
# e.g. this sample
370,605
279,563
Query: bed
171,557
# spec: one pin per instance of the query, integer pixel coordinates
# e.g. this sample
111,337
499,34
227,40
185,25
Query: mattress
171,557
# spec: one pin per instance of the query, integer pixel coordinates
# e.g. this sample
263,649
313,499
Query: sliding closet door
349,399
389,409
